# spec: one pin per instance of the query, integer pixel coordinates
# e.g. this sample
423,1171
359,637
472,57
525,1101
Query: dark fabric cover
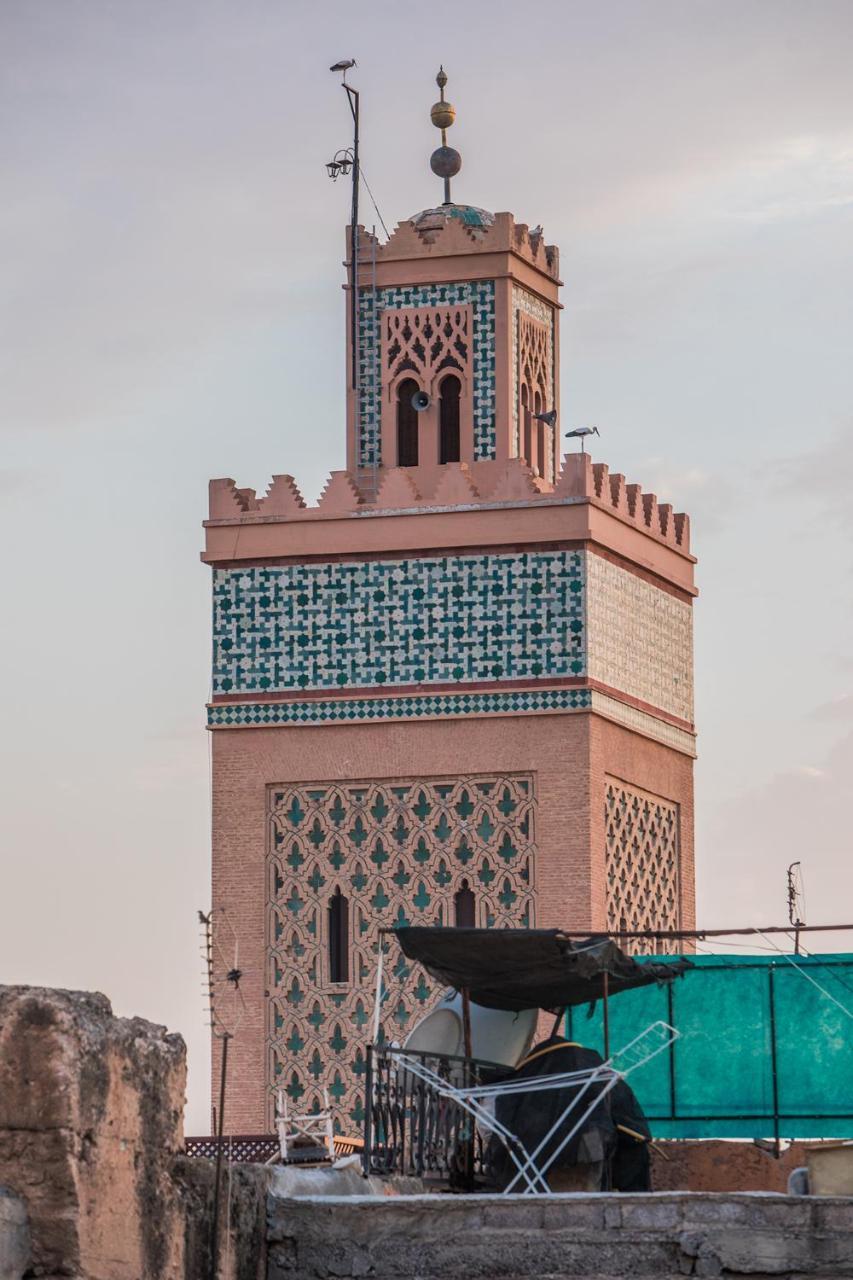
529,968
625,1162
530,1115
631,1166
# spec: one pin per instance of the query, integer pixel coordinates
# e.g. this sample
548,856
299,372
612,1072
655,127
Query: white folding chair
601,1079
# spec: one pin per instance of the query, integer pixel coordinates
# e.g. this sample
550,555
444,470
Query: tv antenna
226,1006
796,902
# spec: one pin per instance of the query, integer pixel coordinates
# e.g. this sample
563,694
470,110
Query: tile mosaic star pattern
481,296
399,850
424,621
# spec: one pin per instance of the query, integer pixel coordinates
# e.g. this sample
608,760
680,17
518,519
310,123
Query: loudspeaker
420,401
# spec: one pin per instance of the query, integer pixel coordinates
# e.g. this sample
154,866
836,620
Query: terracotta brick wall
568,754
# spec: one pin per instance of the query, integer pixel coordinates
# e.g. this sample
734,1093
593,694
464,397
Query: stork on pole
581,433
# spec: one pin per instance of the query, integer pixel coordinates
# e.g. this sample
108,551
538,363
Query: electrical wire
372,199
810,979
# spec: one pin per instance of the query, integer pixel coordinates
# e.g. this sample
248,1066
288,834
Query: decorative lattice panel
425,341
525,305
399,851
534,355
641,861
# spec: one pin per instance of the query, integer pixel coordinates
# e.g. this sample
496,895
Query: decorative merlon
457,485
446,237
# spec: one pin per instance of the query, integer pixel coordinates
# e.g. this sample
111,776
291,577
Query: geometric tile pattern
641,863
369,623
224,715
527,304
398,850
480,295
640,638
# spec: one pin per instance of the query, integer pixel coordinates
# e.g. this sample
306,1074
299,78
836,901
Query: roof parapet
453,236
458,485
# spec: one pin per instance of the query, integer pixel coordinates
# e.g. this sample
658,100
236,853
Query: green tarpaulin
739,1017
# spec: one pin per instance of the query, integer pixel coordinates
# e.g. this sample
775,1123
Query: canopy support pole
606,988
377,1008
466,1022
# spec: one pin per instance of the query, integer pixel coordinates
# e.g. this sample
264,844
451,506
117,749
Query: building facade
459,690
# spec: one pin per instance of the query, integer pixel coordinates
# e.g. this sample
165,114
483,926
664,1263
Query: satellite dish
496,1034
420,401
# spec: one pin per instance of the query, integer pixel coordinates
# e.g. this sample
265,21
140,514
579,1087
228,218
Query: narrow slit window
338,938
448,420
526,443
464,906
407,424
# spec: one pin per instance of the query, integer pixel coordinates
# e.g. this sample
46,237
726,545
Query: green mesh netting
736,1014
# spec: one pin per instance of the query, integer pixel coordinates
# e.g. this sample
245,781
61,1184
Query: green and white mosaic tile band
359,624
402,707
481,295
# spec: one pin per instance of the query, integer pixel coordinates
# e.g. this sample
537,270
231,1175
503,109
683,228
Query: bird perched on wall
581,433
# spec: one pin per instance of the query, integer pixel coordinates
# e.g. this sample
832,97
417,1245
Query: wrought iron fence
409,1130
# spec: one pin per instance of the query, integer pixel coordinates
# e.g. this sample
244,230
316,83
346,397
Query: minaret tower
458,690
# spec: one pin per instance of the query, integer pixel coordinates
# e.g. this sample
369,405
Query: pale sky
171,308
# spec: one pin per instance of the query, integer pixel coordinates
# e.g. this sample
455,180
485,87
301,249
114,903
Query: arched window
338,938
536,438
407,424
463,902
543,440
448,420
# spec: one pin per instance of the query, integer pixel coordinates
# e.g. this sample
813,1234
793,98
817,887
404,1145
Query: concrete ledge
594,1236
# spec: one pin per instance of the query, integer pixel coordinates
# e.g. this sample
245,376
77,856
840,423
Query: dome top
435,219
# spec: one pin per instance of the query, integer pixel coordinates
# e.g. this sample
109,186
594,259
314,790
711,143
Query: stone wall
90,1117
93,1182
596,1237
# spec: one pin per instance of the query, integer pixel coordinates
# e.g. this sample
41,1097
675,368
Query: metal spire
445,161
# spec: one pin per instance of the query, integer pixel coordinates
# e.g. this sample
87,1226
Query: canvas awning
529,968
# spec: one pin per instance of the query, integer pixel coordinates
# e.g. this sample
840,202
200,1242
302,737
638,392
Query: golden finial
445,161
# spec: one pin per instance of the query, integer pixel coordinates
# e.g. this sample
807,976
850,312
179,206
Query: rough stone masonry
90,1117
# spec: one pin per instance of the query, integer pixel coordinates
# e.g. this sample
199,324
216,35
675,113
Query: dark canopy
529,968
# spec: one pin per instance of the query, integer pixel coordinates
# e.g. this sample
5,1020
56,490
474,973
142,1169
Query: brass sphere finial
442,114
444,162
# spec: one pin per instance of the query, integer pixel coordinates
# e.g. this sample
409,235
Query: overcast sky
170,271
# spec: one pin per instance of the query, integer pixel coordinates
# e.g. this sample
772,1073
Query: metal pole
377,1008
368,1112
771,976
214,1241
466,1022
605,981
353,99
468,1076
699,934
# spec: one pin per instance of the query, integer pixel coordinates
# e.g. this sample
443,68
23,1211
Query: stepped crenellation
455,485
449,236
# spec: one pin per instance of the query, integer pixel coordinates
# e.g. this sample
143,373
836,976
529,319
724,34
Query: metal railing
409,1130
